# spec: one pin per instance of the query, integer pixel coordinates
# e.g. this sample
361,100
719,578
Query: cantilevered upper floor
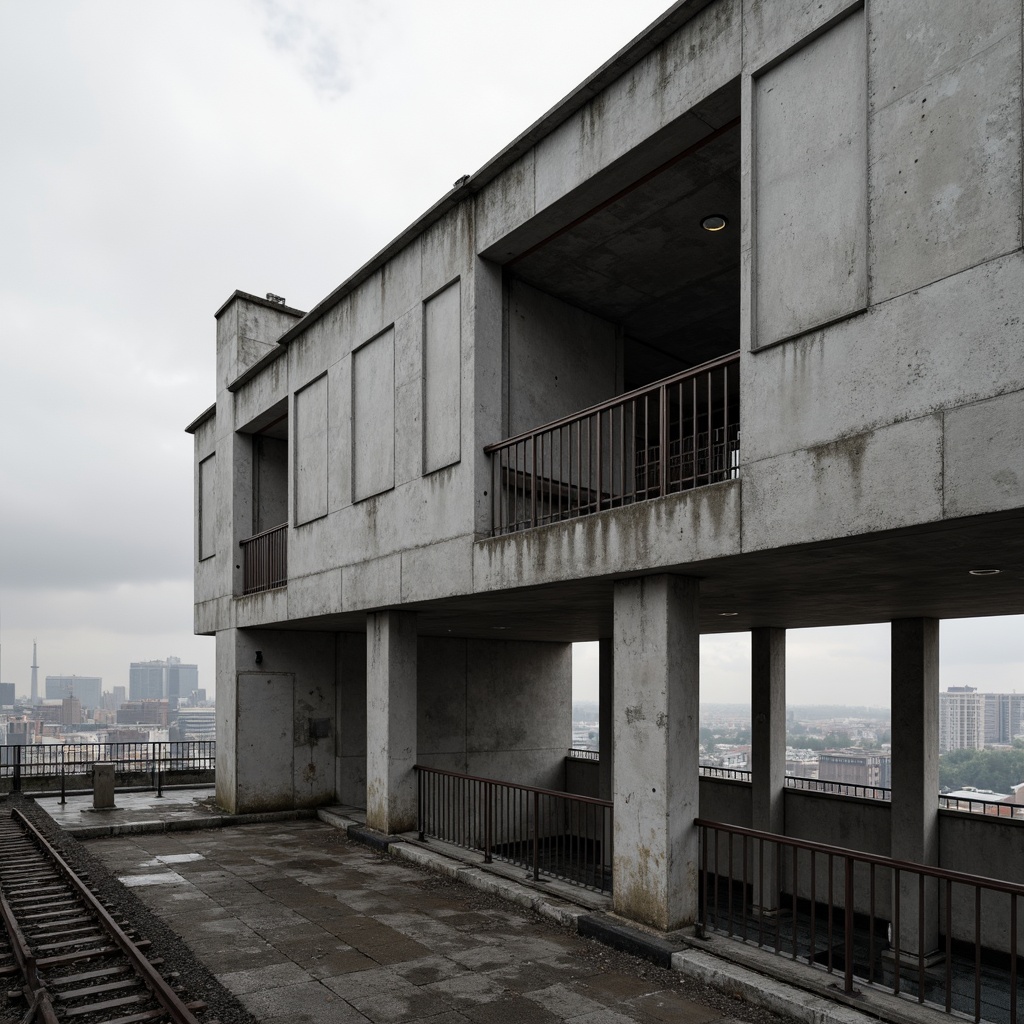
746,305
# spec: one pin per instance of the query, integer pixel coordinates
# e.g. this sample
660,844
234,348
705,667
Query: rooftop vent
279,299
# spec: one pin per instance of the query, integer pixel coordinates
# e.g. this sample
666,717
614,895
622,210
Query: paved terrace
303,923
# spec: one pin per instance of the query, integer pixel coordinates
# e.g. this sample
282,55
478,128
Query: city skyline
135,219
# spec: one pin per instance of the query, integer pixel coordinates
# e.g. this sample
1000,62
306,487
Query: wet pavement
303,924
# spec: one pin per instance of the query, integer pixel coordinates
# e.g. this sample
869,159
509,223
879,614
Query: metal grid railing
680,433
545,831
265,560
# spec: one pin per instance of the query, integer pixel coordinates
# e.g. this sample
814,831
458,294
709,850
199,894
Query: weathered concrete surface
768,748
391,721
657,668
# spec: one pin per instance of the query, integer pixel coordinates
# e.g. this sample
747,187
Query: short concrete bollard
103,786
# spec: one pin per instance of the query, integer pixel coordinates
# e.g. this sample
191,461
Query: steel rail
148,974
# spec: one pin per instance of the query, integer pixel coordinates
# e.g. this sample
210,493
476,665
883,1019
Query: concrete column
350,730
391,721
915,770
655,771
768,743
605,723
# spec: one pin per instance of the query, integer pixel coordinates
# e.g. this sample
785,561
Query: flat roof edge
247,375
201,419
280,307
613,69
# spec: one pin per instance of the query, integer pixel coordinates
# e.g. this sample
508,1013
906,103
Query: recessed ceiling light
728,615
985,572
714,222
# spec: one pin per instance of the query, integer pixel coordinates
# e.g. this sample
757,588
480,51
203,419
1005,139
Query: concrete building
7,695
856,767
152,680
88,689
962,716
729,340
144,712
1004,717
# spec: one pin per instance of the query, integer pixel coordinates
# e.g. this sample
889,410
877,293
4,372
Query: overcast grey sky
156,156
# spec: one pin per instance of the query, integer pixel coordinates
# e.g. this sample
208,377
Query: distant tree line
998,770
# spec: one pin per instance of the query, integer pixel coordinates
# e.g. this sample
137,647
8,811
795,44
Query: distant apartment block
856,767
153,680
88,689
1004,717
144,712
961,719
7,695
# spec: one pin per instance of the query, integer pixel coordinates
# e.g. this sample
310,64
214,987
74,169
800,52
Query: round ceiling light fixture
984,572
728,615
714,222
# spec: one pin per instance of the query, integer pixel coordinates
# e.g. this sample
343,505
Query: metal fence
680,433
939,937
265,560
544,831
583,754
69,763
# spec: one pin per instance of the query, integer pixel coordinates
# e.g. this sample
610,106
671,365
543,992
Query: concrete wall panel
983,465
401,287
442,378
505,203
952,343
269,482
437,570
409,396
809,185
771,29
560,359
373,417
945,141
889,478
256,396
373,583
351,718
316,594
209,526
265,740
448,250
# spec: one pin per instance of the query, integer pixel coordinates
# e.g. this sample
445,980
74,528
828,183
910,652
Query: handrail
259,536
504,782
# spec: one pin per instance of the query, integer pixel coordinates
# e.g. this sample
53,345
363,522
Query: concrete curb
760,990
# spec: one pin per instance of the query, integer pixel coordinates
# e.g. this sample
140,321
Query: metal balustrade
680,433
940,937
265,560
545,831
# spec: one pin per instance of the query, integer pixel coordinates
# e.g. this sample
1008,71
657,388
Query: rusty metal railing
265,560
680,433
542,830
941,937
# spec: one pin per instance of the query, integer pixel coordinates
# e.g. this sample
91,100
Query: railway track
71,960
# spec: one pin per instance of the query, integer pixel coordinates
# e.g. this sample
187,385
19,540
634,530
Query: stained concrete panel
317,593
945,178
951,343
373,417
983,456
809,186
269,482
883,480
442,378
505,203
264,739
560,358
437,570
372,583
208,526
350,728
771,29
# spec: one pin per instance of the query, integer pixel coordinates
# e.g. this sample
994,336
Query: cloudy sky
156,156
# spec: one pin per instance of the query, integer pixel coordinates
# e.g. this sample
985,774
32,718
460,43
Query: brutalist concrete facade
866,160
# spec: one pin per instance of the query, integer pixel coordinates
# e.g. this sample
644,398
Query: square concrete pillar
103,786
915,771
605,720
656,737
768,753
391,721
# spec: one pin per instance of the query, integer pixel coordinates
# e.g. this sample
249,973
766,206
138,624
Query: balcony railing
265,560
680,433
934,936
547,832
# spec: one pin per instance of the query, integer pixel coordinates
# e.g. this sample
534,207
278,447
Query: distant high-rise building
961,719
120,696
6,694
35,676
152,680
856,767
71,711
143,712
88,689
